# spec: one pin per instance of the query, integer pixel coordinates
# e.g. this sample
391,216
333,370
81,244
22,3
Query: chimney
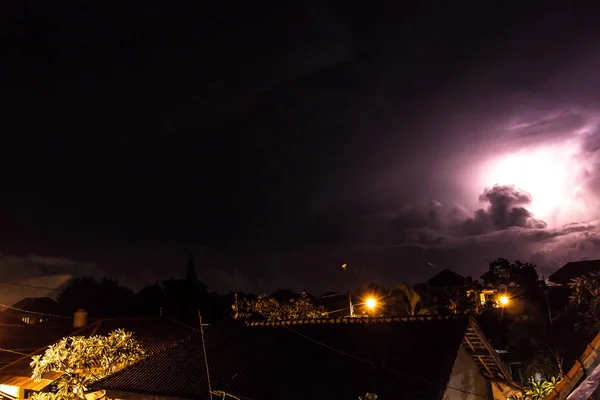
80,318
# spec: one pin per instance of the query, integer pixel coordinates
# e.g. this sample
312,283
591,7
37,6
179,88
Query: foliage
404,300
503,272
537,390
368,396
458,302
271,310
84,293
585,296
84,360
537,342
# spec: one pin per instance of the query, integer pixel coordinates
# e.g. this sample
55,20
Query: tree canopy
585,297
264,307
503,272
84,360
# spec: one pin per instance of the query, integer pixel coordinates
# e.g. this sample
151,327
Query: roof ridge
136,317
359,320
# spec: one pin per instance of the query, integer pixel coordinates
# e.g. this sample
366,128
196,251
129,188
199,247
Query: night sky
277,143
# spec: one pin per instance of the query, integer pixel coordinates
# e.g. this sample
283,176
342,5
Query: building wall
466,377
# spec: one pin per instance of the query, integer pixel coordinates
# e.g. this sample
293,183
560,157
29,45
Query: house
424,357
19,339
34,310
155,334
582,382
574,269
450,283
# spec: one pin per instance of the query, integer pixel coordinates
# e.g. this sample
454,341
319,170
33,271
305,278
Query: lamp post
350,305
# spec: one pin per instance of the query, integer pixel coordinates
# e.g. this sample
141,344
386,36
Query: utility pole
350,302
210,392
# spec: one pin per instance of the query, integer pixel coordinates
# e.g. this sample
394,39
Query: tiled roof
154,334
575,380
574,269
317,359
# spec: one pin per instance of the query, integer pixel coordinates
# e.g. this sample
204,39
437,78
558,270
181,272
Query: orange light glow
504,300
371,303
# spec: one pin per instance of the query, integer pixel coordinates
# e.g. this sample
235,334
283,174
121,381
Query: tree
503,272
538,344
268,308
368,396
84,360
537,390
585,296
404,300
150,300
117,301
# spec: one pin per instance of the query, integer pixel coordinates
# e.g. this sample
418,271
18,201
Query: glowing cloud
548,173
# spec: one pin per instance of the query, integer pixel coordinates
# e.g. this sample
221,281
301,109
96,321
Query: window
482,299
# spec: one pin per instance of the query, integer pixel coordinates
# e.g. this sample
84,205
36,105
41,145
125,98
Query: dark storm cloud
505,210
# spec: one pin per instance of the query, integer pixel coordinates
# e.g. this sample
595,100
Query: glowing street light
504,300
371,303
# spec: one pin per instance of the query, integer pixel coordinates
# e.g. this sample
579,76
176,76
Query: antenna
210,392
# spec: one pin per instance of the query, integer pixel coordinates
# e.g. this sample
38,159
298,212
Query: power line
30,286
14,352
383,366
34,312
329,295
335,311
31,326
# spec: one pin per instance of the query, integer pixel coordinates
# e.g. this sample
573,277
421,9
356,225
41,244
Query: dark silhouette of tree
585,298
150,300
404,300
101,299
504,273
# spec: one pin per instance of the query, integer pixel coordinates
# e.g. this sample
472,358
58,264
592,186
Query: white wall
466,376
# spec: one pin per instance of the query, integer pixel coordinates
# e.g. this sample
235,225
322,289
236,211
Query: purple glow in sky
277,144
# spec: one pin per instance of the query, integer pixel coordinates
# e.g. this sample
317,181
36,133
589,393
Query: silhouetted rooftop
574,269
38,305
333,359
446,278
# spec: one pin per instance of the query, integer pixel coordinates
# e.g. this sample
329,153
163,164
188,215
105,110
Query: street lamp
371,303
503,300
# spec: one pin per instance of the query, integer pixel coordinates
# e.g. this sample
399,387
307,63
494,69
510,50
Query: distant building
34,310
427,357
574,269
447,279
